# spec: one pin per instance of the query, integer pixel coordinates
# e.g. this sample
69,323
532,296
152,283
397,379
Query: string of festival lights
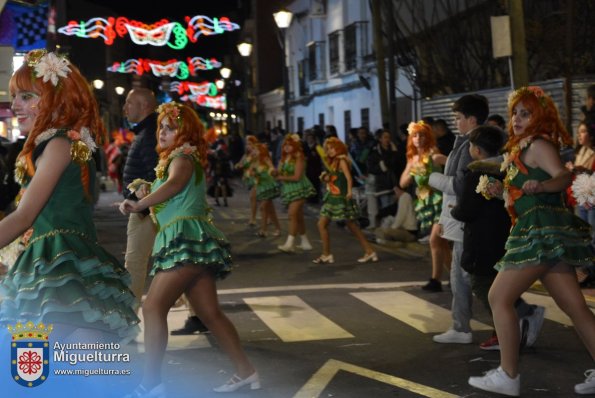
172,68
160,33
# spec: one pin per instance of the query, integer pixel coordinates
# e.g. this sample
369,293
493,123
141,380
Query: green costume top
334,203
63,276
545,231
294,190
428,201
267,187
186,234
247,176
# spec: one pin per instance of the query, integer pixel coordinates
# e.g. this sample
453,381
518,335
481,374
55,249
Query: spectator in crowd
470,112
445,138
497,121
313,164
589,108
403,226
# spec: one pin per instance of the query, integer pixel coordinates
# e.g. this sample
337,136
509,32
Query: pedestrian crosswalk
291,318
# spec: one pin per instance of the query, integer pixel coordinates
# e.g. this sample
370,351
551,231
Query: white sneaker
305,246
496,380
451,336
535,323
425,240
588,387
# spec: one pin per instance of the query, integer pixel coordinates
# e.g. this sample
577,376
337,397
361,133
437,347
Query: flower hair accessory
294,137
172,111
412,126
48,66
536,91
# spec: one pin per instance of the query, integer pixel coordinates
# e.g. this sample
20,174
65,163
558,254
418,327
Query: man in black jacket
142,158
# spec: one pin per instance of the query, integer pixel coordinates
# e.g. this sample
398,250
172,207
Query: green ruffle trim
296,190
339,208
267,191
52,283
427,211
548,236
192,241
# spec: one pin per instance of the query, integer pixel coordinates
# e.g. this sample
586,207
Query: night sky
93,55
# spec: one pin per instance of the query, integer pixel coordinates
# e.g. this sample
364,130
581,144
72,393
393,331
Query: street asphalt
342,329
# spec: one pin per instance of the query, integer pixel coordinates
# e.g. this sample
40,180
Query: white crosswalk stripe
415,312
291,319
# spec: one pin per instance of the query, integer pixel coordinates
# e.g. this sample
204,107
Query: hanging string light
160,33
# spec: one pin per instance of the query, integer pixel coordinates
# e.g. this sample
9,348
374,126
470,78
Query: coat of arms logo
30,353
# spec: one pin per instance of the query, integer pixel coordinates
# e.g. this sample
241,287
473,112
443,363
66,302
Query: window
300,122
334,53
302,77
316,61
366,118
355,44
347,120
321,120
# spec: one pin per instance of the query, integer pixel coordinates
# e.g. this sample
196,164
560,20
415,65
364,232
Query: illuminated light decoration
177,69
172,68
202,25
204,88
129,66
93,28
218,102
199,63
157,34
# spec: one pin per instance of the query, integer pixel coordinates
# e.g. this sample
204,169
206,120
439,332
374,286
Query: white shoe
373,257
141,392
588,387
496,380
305,246
535,323
287,248
451,336
236,382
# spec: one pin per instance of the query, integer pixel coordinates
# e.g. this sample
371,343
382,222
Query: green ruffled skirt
547,235
427,211
67,279
192,241
337,207
296,190
267,191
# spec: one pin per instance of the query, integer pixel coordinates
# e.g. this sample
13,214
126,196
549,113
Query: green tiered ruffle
337,207
547,235
296,190
427,211
50,283
267,190
192,240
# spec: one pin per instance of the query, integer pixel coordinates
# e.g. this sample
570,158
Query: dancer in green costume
245,165
63,277
190,253
338,203
295,189
267,188
423,158
546,241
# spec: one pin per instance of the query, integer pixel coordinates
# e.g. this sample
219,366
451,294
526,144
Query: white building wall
334,94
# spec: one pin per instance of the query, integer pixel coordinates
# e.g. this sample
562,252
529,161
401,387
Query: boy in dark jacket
487,225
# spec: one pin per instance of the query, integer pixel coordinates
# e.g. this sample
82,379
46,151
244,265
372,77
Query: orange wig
423,129
70,104
190,129
545,118
296,144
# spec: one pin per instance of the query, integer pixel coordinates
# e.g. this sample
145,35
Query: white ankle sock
290,241
304,240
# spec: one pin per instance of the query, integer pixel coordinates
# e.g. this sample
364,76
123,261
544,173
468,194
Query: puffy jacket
142,155
487,223
451,185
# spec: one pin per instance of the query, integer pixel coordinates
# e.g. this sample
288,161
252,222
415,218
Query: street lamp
120,90
245,49
225,73
283,20
98,84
